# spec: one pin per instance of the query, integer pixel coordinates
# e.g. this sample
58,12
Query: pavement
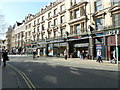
10,79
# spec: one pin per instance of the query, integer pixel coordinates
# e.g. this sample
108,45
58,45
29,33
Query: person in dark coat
5,57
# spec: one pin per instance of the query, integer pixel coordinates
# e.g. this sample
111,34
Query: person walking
65,54
99,56
5,57
34,54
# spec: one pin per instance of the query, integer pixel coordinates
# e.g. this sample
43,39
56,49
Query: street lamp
116,37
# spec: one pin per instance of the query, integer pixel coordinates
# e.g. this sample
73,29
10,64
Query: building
18,36
75,25
9,38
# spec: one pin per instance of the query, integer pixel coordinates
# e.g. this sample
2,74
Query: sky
16,10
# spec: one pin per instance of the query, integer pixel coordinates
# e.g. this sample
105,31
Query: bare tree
3,26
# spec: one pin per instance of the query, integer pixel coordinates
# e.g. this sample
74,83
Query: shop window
99,24
98,5
116,2
116,20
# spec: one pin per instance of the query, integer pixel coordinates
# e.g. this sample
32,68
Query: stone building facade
75,25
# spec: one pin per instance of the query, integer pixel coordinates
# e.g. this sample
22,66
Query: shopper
5,57
65,54
99,56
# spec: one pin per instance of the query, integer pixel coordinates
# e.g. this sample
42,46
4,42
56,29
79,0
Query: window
49,24
77,27
42,18
71,15
62,32
49,14
82,11
62,7
34,22
49,34
55,11
29,25
116,2
116,20
54,34
42,36
43,27
98,5
55,22
82,27
34,30
77,13
72,2
71,30
77,1
99,23
62,19
38,28
38,20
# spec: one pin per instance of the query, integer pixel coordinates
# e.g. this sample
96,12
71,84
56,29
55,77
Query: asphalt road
46,74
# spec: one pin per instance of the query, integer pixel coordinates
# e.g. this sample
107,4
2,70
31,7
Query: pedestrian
34,54
65,54
80,54
99,56
5,57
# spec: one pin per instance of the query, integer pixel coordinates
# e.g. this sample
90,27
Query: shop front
79,45
111,40
41,50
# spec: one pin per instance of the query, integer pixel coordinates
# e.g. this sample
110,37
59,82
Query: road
48,73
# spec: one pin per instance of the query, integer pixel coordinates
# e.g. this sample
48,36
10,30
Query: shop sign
63,44
56,44
54,41
112,32
81,45
100,49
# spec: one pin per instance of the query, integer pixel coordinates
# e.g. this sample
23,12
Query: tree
2,26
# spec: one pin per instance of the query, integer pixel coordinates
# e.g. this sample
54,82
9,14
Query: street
49,72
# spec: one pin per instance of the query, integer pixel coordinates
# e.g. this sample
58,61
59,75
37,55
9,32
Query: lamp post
116,39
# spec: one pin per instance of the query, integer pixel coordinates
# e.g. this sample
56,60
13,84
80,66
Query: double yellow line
26,79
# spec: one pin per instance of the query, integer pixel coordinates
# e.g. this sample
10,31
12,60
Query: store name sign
113,32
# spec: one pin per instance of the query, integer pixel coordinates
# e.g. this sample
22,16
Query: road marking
26,79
